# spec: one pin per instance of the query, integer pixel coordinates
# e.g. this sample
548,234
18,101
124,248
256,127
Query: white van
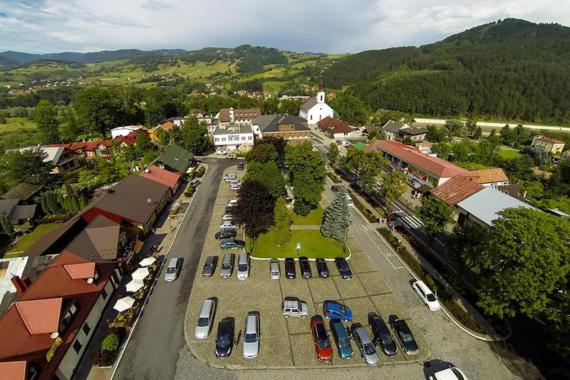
243,266
205,319
274,269
426,295
172,269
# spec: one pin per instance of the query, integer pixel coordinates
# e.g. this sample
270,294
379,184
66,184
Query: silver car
365,345
274,269
205,319
227,265
172,269
251,335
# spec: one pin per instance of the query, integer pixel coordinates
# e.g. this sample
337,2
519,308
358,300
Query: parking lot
288,342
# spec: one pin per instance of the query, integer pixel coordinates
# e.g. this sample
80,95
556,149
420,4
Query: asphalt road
158,339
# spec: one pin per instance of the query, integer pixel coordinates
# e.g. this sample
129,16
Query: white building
233,138
125,130
315,109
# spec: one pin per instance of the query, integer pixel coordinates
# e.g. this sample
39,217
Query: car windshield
406,337
171,270
242,267
223,340
324,343
386,339
369,349
430,297
251,337
343,342
202,322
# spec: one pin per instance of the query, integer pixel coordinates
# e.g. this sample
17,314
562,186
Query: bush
365,210
110,343
199,173
334,178
189,191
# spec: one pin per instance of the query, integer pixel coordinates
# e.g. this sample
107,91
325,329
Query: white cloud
300,25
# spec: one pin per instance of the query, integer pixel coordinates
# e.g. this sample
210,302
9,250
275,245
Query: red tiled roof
239,114
488,175
13,370
40,316
433,165
162,176
456,189
549,139
334,125
128,139
80,271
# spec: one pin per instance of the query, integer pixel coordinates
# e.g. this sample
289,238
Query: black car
322,268
305,267
382,336
404,335
343,268
225,338
241,166
336,188
225,234
210,266
290,268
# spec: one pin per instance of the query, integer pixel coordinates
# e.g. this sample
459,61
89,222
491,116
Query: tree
289,107
142,142
5,225
453,128
254,209
281,229
333,153
366,166
279,143
471,127
270,106
435,134
336,219
350,108
110,343
163,137
522,263
45,116
306,175
97,110
435,214
262,153
393,185
194,136
269,174
27,165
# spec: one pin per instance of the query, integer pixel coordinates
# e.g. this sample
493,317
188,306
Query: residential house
315,109
456,190
483,207
420,169
175,158
129,139
394,130
23,191
291,128
494,177
126,130
16,213
167,126
60,159
240,116
54,317
89,149
548,145
336,128
163,176
233,137
565,155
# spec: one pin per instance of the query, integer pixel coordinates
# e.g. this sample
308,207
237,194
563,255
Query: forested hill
510,69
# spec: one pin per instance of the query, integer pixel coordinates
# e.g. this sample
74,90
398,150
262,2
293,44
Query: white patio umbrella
124,303
134,285
140,274
147,261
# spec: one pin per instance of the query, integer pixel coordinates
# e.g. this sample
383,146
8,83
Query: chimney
20,285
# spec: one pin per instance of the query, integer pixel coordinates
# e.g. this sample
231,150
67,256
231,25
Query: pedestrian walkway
300,227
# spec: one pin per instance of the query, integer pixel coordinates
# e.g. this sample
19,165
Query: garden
313,245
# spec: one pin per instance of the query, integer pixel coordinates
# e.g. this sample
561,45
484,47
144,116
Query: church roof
309,103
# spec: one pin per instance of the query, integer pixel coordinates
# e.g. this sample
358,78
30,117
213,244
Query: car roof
423,286
251,321
449,374
206,306
333,305
339,328
364,337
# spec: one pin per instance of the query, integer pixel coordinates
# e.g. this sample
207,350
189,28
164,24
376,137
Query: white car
205,319
227,218
243,266
451,373
251,335
229,177
349,201
274,269
235,187
232,203
426,295
227,225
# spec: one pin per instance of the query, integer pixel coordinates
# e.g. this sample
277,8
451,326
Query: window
249,138
86,329
77,346
104,294
223,139
217,139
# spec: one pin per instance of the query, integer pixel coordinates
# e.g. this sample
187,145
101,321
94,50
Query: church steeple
321,96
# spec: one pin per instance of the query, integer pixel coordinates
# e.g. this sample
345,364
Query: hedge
334,178
189,191
200,172
365,210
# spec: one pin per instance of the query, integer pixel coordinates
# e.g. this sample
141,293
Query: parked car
364,343
210,266
274,269
333,309
195,182
225,338
235,187
232,203
404,335
229,177
251,335
426,295
321,339
227,265
173,269
293,307
227,226
290,271
451,373
343,268
227,218
232,243
243,266
241,166
382,337
341,339
225,234
205,319
336,188
305,267
349,201
322,268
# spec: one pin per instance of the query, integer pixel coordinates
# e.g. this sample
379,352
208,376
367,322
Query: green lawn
470,165
313,245
26,241
14,124
507,154
315,217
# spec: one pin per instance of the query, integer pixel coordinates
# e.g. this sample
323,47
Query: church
315,109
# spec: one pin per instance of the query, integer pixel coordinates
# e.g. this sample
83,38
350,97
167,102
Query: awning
140,274
134,286
147,261
124,304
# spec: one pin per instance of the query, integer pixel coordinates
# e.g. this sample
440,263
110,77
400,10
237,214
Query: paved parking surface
288,342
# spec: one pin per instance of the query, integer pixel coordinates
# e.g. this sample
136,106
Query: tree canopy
434,214
267,173
45,116
254,209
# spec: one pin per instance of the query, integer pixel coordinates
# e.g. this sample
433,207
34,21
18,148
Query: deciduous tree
281,229
269,174
333,153
393,185
97,109
435,214
254,209
262,153
45,116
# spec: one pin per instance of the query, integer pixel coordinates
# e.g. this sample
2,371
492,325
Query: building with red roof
163,176
335,127
52,321
420,168
548,145
456,189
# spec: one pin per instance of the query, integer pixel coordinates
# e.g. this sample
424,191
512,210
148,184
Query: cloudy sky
41,26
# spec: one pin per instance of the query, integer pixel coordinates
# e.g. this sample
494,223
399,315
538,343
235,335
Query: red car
320,337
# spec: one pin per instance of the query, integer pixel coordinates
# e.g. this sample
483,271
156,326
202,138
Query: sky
328,26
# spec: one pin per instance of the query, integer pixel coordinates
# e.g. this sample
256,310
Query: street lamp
298,246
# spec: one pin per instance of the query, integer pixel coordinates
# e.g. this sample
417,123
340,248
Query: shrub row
189,191
334,178
199,173
365,210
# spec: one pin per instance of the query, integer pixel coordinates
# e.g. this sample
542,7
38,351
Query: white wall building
315,109
233,138
125,130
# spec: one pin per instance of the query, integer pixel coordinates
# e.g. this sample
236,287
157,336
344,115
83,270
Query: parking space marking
287,327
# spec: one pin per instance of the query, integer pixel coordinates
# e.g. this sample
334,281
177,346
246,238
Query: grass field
26,241
315,217
16,124
313,245
470,165
507,154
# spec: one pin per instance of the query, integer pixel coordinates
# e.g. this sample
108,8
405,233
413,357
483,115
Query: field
27,240
470,165
18,132
313,245
507,154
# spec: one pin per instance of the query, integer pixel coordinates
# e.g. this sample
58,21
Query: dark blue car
335,310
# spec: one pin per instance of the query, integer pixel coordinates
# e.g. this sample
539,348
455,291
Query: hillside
512,69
